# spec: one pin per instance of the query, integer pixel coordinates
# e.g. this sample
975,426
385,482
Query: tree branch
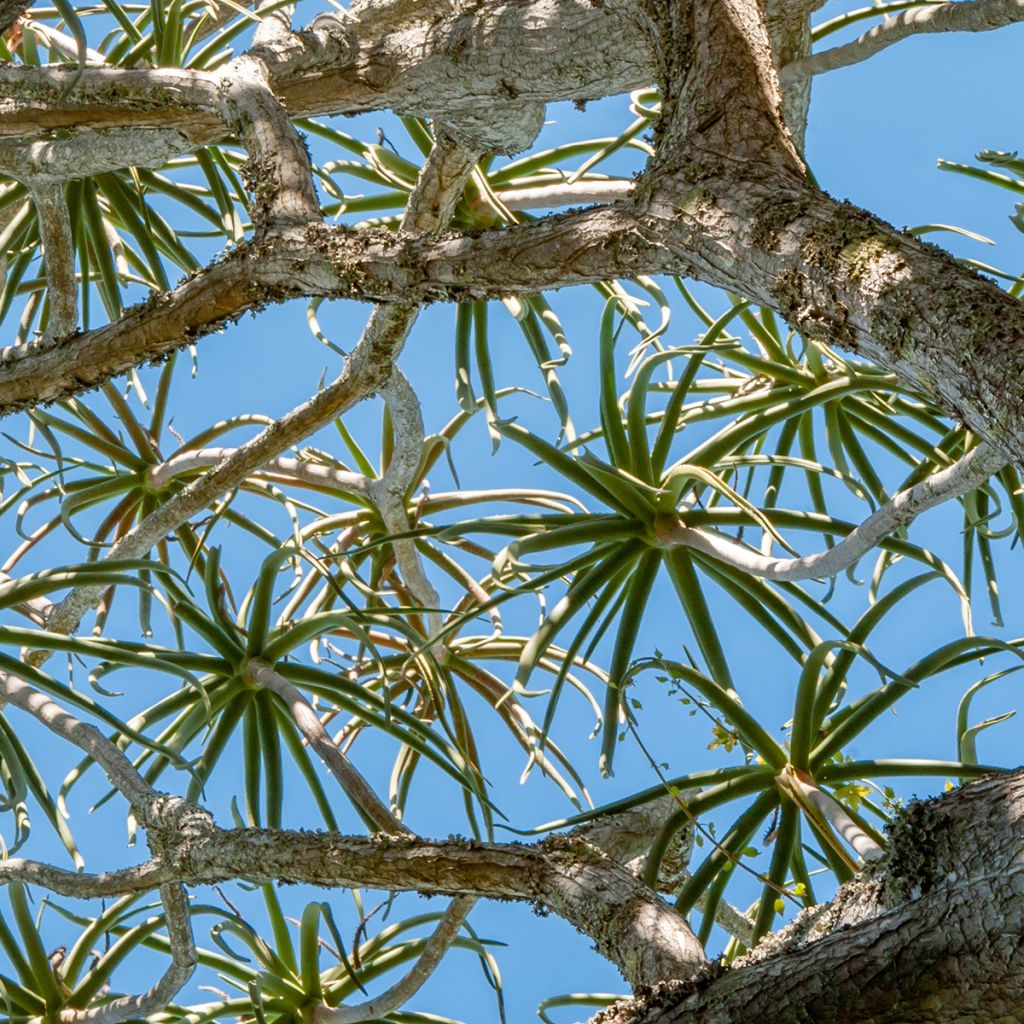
358,790
926,935
390,490
183,963
965,475
155,810
404,989
366,370
962,16
59,257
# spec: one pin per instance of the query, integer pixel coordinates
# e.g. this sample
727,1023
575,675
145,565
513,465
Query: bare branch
59,255
390,491
153,809
294,471
183,962
403,990
965,475
359,791
962,16
579,193
278,174
118,769
79,884
630,925
340,65
366,370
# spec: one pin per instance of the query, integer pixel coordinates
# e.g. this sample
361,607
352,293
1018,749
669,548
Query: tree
387,618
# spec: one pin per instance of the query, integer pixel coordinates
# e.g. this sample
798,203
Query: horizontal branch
485,55
926,934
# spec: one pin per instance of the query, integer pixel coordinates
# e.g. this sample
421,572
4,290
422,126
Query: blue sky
876,131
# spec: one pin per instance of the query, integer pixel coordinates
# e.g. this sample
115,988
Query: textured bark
459,61
725,200
931,935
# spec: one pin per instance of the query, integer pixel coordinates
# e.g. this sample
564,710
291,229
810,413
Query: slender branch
296,471
118,769
578,193
359,791
962,16
404,989
823,808
154,809
80,884
59,255
965,475
38,609
367,369
183,963
390,491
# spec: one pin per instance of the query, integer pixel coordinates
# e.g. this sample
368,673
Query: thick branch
498,54
929,935
631,926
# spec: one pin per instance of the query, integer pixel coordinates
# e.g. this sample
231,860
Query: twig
183,962
404,989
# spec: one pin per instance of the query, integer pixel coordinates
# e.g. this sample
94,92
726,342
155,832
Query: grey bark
932,933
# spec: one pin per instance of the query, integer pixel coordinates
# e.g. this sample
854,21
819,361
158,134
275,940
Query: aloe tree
297,648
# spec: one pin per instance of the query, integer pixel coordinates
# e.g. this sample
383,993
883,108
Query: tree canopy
640,493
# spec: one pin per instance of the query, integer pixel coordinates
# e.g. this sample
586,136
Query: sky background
876,131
